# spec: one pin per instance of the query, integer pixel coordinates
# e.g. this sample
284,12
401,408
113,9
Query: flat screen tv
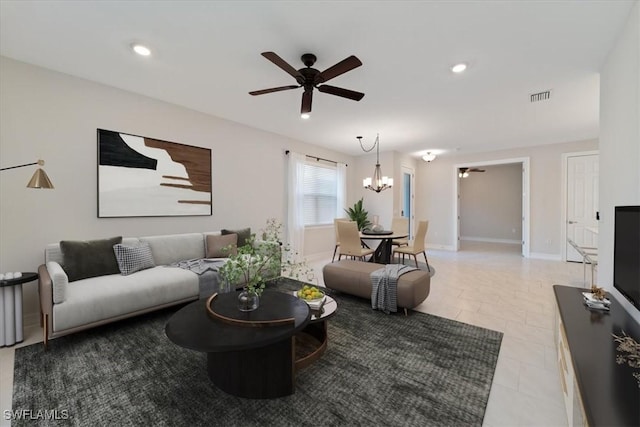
626,253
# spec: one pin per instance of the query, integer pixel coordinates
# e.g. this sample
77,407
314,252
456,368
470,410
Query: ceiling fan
464,172
310,78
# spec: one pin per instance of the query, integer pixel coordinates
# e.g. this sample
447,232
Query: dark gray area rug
378,370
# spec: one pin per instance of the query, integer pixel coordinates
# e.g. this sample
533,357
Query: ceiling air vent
541,96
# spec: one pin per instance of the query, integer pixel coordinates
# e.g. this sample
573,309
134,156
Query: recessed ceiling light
458,68
141,49
305,116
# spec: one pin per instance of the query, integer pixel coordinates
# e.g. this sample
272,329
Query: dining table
382,254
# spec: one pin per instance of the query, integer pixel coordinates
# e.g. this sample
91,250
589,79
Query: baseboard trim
550,257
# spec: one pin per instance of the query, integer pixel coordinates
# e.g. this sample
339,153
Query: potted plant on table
257,261
359,215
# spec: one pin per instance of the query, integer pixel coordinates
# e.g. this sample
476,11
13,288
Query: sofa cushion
218,246
107,297
243,235
133,258
89,258
173,248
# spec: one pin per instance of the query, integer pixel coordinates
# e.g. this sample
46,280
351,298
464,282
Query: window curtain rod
318,158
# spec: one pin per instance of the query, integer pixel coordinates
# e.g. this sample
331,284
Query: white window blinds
320,188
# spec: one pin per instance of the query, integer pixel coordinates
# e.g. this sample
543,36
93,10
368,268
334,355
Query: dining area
378,244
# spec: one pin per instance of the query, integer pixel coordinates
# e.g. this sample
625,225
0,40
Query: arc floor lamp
39,178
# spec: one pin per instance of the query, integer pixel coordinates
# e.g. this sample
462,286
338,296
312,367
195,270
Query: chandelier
378,182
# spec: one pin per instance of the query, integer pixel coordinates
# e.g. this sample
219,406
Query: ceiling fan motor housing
309,77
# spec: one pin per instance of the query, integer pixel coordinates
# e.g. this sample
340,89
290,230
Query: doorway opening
524,201
407,207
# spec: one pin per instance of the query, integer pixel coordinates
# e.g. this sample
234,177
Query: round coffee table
248,356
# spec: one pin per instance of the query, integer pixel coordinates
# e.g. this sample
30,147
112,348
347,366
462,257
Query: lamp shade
40,180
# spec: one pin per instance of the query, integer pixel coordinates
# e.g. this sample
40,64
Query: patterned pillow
133,258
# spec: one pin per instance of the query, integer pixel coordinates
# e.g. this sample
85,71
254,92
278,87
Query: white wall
491,204
53,116
619,142
435,193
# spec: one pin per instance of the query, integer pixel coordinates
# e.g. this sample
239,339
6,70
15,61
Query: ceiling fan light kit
310,78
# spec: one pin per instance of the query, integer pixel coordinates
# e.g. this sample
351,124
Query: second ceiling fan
310,78
464,172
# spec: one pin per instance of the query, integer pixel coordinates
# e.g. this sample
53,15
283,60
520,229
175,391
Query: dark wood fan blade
340,68
476,170
271,56
338,91
307,96
273,89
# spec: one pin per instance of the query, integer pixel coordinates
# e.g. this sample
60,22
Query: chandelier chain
375,143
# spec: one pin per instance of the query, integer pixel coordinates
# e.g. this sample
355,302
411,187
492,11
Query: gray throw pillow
133,258
243,235
90,258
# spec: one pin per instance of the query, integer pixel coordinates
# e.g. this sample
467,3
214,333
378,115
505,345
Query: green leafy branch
269,257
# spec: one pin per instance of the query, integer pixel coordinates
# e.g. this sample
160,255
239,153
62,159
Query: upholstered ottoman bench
353,277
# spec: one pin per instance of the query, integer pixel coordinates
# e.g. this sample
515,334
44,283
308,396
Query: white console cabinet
572,400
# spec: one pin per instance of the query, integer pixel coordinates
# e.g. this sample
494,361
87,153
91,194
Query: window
320,188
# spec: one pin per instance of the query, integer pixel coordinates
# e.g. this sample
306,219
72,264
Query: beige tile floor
492,286
488,285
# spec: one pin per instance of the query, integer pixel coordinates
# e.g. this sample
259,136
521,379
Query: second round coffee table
311,342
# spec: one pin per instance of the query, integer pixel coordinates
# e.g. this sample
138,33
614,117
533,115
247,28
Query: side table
11,328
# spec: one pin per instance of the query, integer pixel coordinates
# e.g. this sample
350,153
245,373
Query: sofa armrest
45,290
60,281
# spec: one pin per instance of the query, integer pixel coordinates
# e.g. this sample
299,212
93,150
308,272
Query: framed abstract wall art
142,177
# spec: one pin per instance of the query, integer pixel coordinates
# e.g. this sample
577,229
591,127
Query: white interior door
582,203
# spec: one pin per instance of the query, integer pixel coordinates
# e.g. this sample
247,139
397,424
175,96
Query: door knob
572,222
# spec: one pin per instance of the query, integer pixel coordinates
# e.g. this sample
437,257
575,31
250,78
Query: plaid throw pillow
133,258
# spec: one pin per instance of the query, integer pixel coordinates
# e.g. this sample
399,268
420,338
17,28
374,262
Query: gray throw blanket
207,270
384,286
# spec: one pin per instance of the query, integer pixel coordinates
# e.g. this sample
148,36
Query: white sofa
68,307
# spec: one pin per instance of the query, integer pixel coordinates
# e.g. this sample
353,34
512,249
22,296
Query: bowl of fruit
311,294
